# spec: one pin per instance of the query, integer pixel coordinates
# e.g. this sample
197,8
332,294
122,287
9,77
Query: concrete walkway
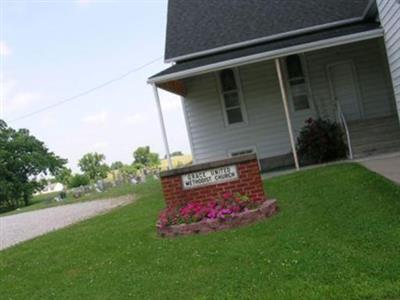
387,166
25,226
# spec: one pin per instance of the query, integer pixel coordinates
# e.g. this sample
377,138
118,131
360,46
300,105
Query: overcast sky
52,50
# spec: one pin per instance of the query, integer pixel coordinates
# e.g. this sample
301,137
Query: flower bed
232,210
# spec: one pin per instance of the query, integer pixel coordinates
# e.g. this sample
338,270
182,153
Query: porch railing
343,123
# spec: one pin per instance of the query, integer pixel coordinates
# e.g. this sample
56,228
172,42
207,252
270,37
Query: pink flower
235,208
212,214
196,211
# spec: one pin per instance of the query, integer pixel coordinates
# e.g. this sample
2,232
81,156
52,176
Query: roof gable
198,27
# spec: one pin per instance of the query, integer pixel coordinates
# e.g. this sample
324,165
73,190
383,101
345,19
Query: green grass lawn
45,201
337,236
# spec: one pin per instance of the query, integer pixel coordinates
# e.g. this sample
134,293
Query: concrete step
376,148
369,138
375,136
376,126
378,129
393,119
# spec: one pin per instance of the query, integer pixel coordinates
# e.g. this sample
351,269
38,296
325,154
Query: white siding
266,128
372,76
389,11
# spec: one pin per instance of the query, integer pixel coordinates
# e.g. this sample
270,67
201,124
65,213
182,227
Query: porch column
285,105
162,124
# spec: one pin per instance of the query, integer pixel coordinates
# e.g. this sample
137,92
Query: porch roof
196,28
269,50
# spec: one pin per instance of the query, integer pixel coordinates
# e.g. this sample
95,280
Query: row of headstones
101,186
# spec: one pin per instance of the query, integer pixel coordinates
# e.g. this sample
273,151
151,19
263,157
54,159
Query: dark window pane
234,115
231,99
228,80
299,89
294,66
301,102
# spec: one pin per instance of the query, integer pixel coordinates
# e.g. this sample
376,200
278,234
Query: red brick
249,182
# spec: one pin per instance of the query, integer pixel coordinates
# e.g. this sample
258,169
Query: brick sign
207,177
207,181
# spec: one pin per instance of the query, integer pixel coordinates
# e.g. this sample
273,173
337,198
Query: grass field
337,236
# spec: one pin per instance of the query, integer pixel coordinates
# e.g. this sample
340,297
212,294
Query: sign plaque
208,177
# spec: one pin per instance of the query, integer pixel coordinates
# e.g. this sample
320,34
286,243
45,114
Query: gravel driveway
25,226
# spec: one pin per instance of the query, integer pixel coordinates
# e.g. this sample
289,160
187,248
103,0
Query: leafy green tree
116,165
93,166
78,180
129,171
64,176
144,156
137,166
23,158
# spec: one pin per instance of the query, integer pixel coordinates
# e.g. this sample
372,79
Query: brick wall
249,182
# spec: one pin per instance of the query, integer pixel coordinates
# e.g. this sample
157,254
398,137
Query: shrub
78,180
320,141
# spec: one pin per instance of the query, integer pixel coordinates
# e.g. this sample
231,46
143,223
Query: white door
344,89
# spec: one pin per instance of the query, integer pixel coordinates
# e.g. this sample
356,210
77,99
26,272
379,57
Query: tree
78,180
93,166
22,159
142,155
128,171
116,165
64,176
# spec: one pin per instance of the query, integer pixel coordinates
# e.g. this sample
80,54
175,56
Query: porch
269,99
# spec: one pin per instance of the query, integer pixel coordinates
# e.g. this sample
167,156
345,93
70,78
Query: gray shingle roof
200,25
269,46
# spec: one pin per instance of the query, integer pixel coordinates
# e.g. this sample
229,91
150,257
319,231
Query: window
231,97
297,83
